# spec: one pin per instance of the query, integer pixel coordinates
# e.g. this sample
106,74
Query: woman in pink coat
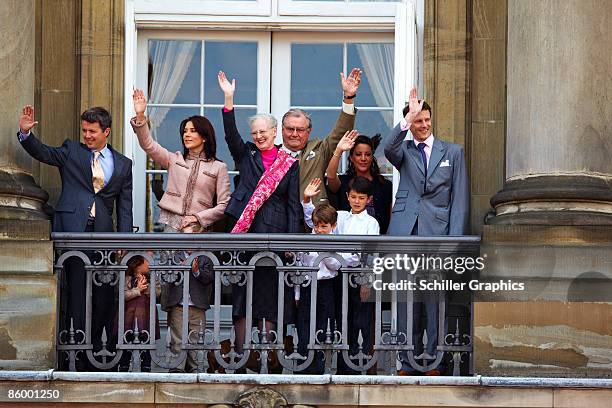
198,188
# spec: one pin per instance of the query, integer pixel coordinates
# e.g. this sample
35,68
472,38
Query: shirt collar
362,214
291,152
429,141
104,152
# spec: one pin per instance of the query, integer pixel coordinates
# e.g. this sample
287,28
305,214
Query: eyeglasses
260,131
299,131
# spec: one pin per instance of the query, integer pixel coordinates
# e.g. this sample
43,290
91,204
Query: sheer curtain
170,61
378,60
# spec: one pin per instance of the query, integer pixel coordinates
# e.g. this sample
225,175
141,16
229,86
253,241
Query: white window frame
165,15
336,8
203,7
281,47
263,92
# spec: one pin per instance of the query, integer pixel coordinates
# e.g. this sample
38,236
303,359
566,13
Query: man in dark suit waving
95,179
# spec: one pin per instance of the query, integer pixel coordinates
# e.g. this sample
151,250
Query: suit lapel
116,167
85,162
414,153
257,158
437,152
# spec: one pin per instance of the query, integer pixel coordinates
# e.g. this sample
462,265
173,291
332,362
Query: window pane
165,124
174,71
152,208
322,122
238,60
371,122
242,115
377,61
315,70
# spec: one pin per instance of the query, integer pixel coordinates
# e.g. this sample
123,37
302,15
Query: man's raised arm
346,119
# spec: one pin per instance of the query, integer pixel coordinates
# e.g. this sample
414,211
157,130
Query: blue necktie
421,147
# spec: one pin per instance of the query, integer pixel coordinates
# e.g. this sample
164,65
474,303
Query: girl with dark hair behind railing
137,299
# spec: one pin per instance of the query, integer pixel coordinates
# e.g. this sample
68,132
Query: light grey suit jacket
440,202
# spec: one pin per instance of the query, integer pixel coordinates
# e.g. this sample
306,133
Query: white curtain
378,60
171,61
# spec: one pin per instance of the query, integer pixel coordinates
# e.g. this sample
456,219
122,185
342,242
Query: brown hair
325,213
132,264
206,130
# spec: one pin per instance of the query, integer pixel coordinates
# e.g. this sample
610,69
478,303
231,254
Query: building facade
523,86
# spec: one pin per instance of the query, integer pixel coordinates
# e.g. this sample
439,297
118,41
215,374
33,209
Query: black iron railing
104,259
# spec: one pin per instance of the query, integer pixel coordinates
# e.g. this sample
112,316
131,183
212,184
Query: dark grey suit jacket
439,201
73,159
200,288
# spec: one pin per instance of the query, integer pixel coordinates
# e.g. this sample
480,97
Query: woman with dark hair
198,189
362,163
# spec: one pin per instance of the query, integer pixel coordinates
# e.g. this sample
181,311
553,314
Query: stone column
551,227
20,197
27,284
559,132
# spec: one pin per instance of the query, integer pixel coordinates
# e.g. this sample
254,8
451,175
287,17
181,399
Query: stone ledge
281,379
157,390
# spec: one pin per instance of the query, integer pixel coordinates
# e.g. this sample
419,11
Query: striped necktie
97,179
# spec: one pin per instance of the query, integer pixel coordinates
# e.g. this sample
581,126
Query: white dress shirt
328,267
348,223
429,141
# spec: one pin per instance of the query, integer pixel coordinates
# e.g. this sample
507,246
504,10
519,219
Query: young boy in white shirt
354,222
324,218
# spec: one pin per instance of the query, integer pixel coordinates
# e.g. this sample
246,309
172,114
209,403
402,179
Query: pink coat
197,197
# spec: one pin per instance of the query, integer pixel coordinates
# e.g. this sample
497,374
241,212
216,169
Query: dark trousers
360,318
427,309
103,301
326,312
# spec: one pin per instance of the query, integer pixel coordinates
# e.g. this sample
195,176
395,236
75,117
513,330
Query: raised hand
226,86
414,106
26,120
348,140
350,84
312,189
142,284
140,103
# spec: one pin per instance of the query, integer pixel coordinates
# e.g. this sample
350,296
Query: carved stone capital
260,398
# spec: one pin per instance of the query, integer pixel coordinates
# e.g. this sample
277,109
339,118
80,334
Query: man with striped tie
96,179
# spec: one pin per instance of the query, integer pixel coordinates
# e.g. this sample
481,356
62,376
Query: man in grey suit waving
432,199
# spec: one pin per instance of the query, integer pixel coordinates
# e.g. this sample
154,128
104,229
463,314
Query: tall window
182,82
315,85
274,71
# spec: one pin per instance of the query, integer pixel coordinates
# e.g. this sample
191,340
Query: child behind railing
137,299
